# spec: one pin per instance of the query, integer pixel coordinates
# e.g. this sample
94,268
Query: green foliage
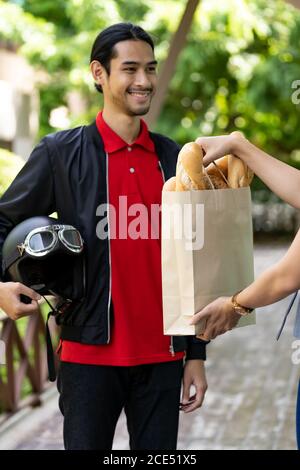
235,72
10,165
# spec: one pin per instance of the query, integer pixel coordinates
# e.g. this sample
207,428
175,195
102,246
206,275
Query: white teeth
138,93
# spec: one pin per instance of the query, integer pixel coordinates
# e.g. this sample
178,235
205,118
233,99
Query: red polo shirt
137,328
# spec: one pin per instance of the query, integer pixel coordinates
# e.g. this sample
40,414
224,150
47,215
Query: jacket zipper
162,172
109,255
171,347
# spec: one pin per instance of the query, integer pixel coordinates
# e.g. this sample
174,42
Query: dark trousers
92,398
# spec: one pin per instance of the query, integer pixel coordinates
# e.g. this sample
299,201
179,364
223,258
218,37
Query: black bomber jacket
67,173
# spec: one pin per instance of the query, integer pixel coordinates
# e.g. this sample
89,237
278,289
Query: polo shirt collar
113,142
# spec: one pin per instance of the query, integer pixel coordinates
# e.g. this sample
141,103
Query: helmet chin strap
51,306
59,309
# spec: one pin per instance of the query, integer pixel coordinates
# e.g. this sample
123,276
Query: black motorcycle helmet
47,256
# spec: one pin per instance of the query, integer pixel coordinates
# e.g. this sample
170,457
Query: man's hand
193,374
220,317
10,300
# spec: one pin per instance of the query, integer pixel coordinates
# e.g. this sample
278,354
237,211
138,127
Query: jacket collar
165,149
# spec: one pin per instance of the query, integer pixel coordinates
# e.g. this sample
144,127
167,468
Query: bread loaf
226,172
170,184
189,171
239,174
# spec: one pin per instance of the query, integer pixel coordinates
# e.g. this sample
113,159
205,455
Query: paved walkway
250,402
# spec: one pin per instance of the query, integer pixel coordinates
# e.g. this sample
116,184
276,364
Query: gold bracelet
238,308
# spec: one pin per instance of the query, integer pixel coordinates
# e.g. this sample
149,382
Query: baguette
189,170
239,174
170,184
218,172
227,172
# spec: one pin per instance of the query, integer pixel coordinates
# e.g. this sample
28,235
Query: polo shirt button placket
131,169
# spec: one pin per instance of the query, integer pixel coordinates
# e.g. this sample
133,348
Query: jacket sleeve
30,194
196,348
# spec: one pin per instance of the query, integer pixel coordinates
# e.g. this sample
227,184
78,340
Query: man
113,352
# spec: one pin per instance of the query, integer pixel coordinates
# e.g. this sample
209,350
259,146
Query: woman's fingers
202,315
215,147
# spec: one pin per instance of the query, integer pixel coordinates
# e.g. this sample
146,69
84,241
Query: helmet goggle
42,240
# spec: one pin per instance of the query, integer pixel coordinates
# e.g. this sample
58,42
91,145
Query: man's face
132,80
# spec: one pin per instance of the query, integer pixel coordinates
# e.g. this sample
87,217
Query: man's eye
152,69
130,69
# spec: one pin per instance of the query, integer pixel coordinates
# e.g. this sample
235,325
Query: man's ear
98,72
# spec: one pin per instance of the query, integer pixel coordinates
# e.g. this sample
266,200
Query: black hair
103,48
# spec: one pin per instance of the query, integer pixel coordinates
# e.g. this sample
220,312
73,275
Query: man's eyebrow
132,62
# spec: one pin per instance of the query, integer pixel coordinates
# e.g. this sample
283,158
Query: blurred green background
237,70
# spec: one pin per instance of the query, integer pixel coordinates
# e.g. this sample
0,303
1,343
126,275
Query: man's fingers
27,309
185,394
193,406
187,405
196,400
22,289
187,402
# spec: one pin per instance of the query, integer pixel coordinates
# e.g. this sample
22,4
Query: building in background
19,102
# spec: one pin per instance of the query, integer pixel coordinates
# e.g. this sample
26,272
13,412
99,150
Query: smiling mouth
140,94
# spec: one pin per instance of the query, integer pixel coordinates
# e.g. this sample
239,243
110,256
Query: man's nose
142,80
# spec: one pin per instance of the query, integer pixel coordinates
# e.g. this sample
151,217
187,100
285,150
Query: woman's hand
217,147
281,178
220,317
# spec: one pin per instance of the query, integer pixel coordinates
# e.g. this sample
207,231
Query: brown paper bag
207,252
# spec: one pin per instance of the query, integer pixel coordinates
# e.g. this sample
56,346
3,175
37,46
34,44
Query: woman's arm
281,178
277,282
274,284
